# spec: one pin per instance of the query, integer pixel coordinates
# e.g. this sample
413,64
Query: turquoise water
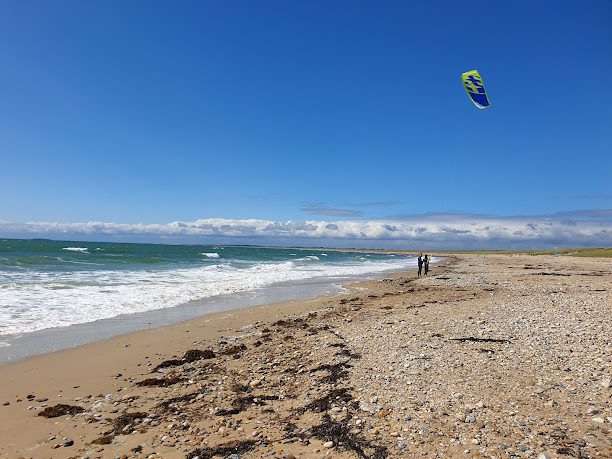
46,284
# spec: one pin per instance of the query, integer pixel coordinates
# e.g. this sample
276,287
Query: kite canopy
473,84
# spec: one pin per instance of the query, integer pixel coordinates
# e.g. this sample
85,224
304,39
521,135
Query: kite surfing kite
473,84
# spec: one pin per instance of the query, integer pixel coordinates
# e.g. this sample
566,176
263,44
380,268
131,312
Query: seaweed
60,410
289,427
126,419
223,450
168,363
349,354
336,372
349,300
481,340
196,354
160,382
339,433
241,403
190,356
231,350
183,398
236,387
323,404
298,322
103,440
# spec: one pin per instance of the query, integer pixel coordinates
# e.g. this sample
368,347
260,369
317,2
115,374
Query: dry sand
490,356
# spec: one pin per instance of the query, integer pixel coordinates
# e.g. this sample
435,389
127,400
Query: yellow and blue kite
473,84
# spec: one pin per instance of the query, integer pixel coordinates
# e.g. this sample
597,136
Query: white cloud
433,230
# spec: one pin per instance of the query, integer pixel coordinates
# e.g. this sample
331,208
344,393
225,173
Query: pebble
328,444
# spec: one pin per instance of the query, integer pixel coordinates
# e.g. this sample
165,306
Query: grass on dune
594,252
605,252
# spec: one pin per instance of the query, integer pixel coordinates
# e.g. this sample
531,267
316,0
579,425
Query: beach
495,356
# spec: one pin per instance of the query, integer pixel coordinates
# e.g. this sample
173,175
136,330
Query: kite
473,84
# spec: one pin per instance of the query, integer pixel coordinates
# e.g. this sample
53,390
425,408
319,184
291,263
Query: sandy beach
491,356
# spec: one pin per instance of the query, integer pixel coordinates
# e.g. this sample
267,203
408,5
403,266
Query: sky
274,122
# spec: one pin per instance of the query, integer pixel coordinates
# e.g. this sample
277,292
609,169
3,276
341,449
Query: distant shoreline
605,252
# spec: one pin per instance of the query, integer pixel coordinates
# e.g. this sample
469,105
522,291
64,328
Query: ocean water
46,284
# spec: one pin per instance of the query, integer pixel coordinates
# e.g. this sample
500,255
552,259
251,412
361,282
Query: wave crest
76,249
308,258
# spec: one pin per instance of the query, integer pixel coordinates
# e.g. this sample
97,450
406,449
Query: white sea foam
308,258
210,254
77,249
31,301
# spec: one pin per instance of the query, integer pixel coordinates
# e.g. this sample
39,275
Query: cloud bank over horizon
444,231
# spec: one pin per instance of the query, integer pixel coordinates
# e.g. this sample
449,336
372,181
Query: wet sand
55,339
490,356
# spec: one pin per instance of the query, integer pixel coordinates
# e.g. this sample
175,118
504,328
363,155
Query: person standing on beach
420,261
426,263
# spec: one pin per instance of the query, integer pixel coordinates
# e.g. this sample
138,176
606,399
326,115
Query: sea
51,285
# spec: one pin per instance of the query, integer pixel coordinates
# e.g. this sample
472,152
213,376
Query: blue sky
156,112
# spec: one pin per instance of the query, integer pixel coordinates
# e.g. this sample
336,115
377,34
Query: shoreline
55,339
47,341
488,356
